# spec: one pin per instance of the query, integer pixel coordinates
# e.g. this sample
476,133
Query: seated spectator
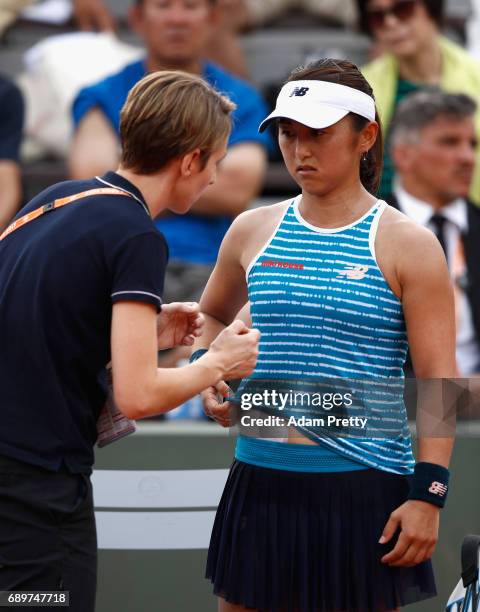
93,15
433,150
175,33
415,56
9,12
11,125
259,13
89,14
236,16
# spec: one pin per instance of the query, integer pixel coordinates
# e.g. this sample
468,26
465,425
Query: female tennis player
340,285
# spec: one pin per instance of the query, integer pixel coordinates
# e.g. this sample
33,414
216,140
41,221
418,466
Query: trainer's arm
141,389
239,180
427,298
95,147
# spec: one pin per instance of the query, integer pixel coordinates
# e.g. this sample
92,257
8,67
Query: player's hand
419,523
215,408
93,15
235,350
178,324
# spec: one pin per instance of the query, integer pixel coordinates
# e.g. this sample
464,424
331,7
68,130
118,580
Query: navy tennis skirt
301,542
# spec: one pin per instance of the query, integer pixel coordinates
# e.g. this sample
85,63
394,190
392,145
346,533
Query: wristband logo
438,488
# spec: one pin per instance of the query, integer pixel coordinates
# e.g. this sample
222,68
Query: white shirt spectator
455,213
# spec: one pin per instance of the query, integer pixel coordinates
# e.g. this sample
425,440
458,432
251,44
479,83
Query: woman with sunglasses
339,284
415,55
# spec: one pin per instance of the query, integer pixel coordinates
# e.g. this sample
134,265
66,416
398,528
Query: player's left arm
428,305
239,180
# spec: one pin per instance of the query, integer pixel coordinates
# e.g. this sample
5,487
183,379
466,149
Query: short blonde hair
169,114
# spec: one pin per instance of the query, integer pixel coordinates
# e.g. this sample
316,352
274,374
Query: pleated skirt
300,542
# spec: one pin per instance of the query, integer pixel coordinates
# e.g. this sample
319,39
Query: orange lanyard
38,212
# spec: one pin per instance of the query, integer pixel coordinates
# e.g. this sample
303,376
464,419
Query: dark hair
345,73
435,8
421,108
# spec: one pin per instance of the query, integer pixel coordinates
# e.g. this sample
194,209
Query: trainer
81,278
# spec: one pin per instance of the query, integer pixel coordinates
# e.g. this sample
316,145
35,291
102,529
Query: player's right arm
226,291
95,147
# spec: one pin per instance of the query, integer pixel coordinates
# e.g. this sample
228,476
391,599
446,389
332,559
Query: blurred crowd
66,105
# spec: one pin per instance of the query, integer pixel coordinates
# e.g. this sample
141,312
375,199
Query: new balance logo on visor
354,272
438,488
299,91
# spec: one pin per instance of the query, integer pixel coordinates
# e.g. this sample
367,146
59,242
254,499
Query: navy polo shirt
59,276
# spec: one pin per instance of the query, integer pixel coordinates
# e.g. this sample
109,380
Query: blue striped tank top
326,313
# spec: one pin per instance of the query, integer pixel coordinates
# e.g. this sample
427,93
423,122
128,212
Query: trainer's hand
178,324
236,350
419,522
219,411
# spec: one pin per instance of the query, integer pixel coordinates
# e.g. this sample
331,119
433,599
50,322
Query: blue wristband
197,354
430,484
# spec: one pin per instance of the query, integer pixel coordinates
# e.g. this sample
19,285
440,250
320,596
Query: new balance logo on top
354,272
299,91
438,488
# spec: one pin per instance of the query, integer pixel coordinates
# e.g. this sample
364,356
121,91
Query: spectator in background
223,45
89,14
9,12
93,15
175,33
433,150
11,125
336,11
415,56
236,16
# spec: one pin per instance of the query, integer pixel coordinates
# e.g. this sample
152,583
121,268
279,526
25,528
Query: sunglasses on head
401,9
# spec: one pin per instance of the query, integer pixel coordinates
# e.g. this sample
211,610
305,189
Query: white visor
318,104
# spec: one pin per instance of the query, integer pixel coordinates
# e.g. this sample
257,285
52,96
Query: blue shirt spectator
176,34
191,238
